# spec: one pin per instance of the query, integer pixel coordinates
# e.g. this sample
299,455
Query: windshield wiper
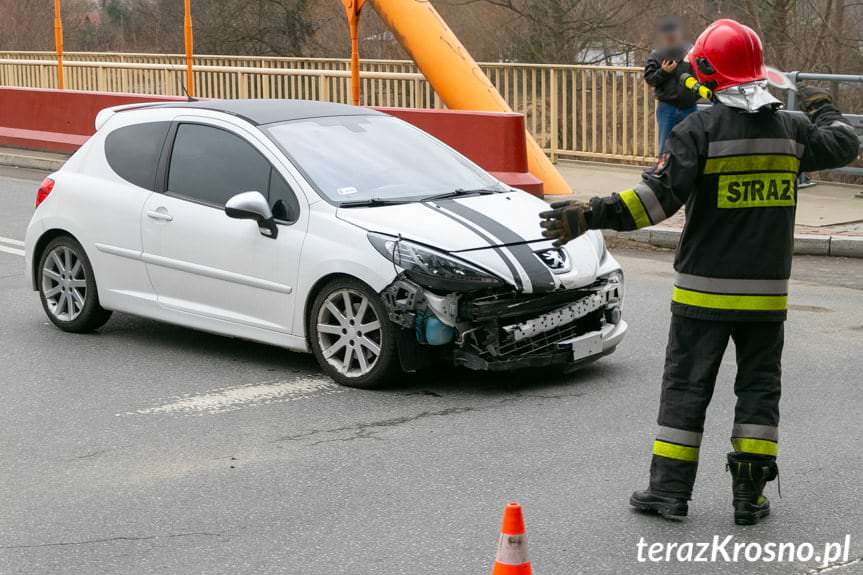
463,192
373,202
394,201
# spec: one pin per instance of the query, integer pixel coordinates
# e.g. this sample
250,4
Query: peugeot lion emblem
556,259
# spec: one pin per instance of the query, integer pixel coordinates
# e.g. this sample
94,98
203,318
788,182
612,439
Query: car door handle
160,215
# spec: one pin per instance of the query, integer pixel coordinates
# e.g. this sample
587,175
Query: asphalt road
149,448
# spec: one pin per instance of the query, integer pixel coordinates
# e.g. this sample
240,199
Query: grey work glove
812,98
566,221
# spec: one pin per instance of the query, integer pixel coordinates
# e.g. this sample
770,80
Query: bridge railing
588,112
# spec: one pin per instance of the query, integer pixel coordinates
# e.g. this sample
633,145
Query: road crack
84,542
89,455
370,430
113,540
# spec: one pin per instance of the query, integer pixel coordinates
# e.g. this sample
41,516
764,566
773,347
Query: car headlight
431,268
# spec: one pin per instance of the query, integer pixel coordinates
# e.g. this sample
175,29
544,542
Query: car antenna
186,92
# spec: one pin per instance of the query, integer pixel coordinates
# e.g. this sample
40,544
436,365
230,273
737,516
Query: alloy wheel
64,283
349,332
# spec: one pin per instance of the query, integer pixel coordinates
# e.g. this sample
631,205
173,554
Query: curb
804,244
31,162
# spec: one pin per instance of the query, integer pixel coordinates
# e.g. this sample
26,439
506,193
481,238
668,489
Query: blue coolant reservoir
433,331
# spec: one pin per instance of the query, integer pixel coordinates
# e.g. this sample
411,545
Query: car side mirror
253,206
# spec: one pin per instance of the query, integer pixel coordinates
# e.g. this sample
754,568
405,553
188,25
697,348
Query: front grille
509,327
515,307
548,339
498,344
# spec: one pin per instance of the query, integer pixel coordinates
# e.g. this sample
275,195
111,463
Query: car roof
259,112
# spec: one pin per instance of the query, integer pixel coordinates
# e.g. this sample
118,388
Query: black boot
664,505
749,474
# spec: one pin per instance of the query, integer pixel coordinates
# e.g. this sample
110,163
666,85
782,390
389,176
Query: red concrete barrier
54,120
60,121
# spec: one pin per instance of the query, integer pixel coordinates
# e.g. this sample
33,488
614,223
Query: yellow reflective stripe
727,301
674,451
765,163
636,208
757,446
765,190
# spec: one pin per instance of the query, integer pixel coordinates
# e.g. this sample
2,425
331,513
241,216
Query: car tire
67,287
351,335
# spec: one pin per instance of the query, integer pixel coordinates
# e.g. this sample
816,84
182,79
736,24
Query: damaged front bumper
574,351
504,331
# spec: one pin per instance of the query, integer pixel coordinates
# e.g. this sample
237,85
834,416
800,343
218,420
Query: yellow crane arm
454,74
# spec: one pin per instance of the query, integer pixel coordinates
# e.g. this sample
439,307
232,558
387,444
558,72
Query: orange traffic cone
511,558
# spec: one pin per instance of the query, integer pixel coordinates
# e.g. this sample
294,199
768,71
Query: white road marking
235,397
11,241
12,251
834,567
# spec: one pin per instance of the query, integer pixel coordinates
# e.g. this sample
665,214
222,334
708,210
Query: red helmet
727,54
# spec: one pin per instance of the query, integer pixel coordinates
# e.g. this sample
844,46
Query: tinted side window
133,152
283,202
211,165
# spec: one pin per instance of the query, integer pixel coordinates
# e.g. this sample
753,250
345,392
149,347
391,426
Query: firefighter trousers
694,352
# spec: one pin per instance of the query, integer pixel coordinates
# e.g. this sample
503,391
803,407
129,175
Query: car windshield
376,160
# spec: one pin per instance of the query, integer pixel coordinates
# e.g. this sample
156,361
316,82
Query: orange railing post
353,8
58,43
187,33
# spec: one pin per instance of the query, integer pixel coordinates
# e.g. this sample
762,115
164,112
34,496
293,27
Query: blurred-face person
662,70
670,34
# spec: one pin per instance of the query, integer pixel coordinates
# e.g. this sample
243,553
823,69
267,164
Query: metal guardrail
587,112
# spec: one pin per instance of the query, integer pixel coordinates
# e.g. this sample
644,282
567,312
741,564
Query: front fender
334,247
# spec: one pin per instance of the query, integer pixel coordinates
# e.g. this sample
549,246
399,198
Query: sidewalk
19,158
829,216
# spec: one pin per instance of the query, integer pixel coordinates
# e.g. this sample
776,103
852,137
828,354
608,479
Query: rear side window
211,165
133,152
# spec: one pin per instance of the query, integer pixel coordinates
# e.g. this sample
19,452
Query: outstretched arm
657,197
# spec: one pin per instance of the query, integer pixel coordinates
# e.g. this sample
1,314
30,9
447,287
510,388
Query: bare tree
568,31
254,27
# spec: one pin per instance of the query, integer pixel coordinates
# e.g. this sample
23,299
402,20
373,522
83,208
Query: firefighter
734,166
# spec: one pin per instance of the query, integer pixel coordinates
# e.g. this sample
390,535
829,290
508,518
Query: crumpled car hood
444,225
499,233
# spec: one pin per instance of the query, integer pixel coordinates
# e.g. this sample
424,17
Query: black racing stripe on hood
540,276
515,275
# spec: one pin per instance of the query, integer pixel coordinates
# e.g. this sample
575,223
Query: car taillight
44,190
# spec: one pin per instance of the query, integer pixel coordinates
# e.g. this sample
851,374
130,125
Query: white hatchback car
315,227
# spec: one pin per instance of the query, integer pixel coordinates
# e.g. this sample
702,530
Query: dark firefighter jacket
666,85
736,173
